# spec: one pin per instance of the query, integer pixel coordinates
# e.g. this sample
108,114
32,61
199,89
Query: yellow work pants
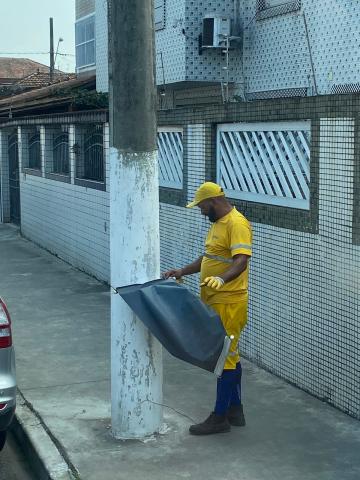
234,318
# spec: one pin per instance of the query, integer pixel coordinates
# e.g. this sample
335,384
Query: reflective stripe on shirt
220,259
240,245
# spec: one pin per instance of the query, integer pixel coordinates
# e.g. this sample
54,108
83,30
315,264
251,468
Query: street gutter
46,455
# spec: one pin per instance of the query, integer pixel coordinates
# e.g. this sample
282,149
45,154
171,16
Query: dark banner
183,324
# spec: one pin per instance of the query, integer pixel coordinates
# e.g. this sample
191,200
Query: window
273,3
159,14
272,8
265,162
34,151
90,156
170,154
60,150
85,42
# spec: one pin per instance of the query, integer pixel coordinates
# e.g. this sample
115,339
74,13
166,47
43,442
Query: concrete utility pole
136,359
52,64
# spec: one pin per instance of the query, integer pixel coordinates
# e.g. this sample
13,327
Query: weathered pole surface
136,357
52,63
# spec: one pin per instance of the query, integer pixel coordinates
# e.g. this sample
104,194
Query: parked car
7,373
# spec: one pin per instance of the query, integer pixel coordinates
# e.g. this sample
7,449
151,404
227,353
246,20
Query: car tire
2,439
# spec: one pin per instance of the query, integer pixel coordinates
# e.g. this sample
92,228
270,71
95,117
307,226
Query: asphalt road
13,464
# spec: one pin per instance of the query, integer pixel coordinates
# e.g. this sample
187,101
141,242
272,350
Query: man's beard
212,215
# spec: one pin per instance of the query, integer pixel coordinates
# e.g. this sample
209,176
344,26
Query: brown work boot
235,416
213,424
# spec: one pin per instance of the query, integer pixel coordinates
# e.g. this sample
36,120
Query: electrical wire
36,53
171,408
188,37
24,53
253,18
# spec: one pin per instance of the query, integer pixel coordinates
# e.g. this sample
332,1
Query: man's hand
177,273
213,282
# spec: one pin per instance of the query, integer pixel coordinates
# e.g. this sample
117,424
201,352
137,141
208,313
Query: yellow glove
214,282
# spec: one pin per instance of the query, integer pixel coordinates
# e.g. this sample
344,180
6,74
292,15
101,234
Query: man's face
207,208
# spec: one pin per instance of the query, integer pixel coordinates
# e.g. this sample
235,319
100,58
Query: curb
39,446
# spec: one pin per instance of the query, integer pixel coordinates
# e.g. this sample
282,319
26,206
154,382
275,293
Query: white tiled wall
170,44
304,288
84,7
69,220
209,66
276,53
101,31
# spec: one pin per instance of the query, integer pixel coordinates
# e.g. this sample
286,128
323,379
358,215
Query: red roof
12,69
41,79
49,96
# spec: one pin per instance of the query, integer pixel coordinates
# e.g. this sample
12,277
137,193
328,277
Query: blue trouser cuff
228,390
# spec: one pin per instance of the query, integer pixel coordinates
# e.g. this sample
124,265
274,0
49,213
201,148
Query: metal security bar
170,146
14,181
61,153
271,8
91,164
265,162
34,151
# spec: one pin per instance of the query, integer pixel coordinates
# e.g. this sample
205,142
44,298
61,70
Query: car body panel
7,386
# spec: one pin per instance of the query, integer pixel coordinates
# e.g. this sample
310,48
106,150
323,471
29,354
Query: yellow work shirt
230,235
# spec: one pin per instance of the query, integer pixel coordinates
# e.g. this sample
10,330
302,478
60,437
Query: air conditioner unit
215,30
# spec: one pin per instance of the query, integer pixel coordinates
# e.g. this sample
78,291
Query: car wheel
2,439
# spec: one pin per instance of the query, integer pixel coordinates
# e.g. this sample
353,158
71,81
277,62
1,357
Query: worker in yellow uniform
224,270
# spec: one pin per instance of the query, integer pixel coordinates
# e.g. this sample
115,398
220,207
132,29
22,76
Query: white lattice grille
265,162
170,147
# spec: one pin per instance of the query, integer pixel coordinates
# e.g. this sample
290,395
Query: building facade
276,49
278,128
85,41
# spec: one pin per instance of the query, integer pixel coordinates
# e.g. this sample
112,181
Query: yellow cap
205,191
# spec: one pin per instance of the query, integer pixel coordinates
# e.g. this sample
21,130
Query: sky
24,29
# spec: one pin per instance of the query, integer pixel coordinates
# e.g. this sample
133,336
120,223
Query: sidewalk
61,332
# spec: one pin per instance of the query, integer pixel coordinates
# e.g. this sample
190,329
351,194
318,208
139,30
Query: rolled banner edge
219,367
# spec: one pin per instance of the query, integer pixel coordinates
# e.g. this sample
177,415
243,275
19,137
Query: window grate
90,161
170,155
61,154
265,163
272,8
34,151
